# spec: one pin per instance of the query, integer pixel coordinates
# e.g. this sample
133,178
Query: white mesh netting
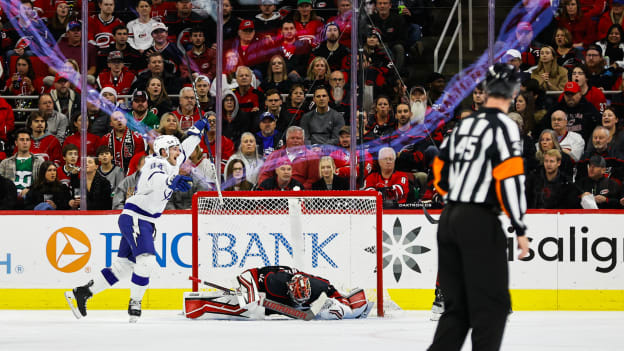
334,237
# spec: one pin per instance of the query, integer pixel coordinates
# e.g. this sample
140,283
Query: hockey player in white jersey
158,180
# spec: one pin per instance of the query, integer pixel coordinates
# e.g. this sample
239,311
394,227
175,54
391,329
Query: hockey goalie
261,289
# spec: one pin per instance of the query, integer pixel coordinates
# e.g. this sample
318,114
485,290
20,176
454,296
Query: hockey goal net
333,234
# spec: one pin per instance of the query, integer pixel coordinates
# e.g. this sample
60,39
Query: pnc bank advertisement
576,260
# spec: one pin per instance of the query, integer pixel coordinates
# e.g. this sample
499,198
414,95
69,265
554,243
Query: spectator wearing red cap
117,75
614,16
70,46
580,25
582,115
592,94
548,73
65,97
247,46
283,179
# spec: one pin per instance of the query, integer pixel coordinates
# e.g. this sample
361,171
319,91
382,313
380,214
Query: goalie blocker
281,284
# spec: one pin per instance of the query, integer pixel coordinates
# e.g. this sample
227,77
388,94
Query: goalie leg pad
247,288
216,305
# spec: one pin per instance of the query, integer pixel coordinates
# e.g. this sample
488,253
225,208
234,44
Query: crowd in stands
286,119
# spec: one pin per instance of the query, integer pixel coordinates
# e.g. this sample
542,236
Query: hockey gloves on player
179,183
299,288
198,127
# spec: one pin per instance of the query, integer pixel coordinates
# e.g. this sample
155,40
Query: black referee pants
472,269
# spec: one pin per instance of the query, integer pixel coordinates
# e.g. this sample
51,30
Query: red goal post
333,234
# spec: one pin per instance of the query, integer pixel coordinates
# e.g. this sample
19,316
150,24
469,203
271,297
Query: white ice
403,330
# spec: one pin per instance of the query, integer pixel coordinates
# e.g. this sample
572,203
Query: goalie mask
299,288
165,142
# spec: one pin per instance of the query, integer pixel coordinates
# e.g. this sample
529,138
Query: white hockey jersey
152,192
140,34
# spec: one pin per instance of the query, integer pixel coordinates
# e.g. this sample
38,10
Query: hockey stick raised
275,306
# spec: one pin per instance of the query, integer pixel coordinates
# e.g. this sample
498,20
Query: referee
480,172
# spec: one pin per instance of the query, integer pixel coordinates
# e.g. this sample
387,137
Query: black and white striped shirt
481,163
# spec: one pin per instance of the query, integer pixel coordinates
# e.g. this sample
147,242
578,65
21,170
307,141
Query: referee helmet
502,80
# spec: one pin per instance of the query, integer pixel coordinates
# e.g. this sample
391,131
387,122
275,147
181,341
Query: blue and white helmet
165,142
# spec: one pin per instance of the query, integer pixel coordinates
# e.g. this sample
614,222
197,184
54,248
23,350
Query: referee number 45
466,147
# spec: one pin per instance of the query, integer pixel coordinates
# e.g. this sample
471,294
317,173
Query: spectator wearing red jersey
44,144
74,137
294,51
309,26
593,8
342,155
117,75
181,22
101,28
592,94
202,59
391,184
249,98
580,25
24,81
162,8
187,112
69,173
7,125
614,16
304,161
123,142
244,49
343,20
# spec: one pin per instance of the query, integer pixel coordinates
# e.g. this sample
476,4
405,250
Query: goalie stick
275,306
428,216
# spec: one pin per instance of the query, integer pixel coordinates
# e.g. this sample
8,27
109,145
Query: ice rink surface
403,330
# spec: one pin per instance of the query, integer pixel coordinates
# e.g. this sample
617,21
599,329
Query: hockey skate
134,310
80,295
438,306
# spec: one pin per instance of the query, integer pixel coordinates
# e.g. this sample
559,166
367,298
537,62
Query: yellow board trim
407,299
